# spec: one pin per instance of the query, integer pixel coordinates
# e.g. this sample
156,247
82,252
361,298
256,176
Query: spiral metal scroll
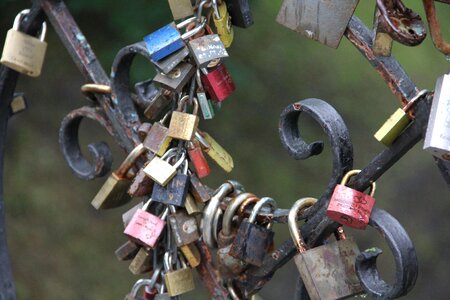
70,147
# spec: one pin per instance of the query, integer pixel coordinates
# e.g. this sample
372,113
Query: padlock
328,271
206,49
148,283
127,251
181,8
174,193
162,294
183,125
240,13
142,185
178,281
198,160
158,140
397,122
218,82
184,228
222,21
22,52
113,193
168,39
324,21
192,255
437,137
143,130
205,104
215,151
160,170
146,228
253,241
351,207
142,262
401,23
191,206
159,105
229,266
198,190
128,215
176,79
167,64
382,41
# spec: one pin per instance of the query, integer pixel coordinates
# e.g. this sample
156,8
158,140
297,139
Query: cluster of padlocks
179,210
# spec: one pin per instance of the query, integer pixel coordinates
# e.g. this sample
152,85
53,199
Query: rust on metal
435,27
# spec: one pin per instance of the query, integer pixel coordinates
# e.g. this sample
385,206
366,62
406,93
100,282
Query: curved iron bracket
70,147
404,255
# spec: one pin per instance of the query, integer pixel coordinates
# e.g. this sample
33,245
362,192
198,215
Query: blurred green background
62,248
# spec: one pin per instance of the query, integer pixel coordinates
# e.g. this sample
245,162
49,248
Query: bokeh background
62,248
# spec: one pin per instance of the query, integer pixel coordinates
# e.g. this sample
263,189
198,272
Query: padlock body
437,137
142,262
206,49
328,271
176,79
393,127
224,26
322,20
158,106
158,139
163,42
184,228
128,215
191,254
350,207
205,106
182,126
179,282
113,193
382,41
199,162
181,8
240,13
174,193
160,171
167,64
23,53
229,266
218,83
127,251
252,243
142,185
145,228
164,296
191,205
198,190
218,154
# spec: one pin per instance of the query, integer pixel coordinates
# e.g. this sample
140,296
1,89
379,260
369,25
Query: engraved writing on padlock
215,151
22,52
328,271
322,20
184,228
174,193
183,125
206,49
351,207
437,137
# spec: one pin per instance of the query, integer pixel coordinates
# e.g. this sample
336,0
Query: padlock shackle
355,172
420,95
292,222
259,205
194,31
145,282
246,203
22,14
130,160
230,212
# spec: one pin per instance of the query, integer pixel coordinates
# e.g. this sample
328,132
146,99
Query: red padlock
218,83
145,228
198,160
351,207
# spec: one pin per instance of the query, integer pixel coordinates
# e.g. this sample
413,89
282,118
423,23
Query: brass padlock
127,251
328,271
222,21
160,170
158,139
142,262
191,206
181,8
192,255
113,193
397,122
183,125
215,151
22,52
178,281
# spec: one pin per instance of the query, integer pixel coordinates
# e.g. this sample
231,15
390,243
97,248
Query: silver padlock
22,52
437,137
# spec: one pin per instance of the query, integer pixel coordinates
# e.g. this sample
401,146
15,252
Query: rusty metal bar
435,27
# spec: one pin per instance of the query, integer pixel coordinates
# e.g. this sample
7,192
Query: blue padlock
168,39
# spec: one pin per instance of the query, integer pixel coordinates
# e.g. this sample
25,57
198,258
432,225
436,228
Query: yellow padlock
215,151
222,21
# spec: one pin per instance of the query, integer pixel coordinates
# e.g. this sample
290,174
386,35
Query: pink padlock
144,227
